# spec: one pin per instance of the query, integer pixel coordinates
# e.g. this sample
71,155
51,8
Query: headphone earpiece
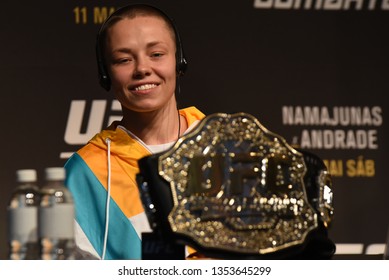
104,80
181,62
181,66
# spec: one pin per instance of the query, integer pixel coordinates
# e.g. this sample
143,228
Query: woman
139,56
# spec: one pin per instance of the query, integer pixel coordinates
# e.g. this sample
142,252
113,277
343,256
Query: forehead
150,22
138,31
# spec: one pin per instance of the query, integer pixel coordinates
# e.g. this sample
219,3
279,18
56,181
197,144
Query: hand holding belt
232,189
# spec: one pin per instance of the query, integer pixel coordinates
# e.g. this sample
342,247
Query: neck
157,127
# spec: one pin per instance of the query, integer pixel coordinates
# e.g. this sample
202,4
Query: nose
142,68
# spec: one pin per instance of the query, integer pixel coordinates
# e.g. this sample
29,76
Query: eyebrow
128,50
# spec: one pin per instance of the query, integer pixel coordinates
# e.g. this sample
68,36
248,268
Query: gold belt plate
237,187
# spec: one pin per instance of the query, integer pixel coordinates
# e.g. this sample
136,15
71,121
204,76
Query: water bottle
23,217
56,217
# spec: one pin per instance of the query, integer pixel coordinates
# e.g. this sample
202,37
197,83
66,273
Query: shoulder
192,114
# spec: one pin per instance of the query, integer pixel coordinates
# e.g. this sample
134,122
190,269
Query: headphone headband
181,63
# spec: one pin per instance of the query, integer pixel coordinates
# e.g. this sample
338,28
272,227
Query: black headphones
181,63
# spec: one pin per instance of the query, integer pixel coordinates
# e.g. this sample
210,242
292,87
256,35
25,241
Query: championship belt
232,189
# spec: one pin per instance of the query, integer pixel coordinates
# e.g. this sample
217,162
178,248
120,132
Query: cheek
118,78
171,71
170,67
171,80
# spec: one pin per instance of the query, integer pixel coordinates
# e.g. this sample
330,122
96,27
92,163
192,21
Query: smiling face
141,62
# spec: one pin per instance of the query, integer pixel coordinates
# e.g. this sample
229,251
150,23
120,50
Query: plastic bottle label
23,224
57,221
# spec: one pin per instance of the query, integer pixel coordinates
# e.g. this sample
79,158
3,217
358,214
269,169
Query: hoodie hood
122,145
128,148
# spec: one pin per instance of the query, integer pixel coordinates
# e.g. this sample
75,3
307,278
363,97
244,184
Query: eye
157,54
123,60
119,60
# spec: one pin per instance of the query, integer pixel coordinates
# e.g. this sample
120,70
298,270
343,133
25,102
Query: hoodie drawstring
108,141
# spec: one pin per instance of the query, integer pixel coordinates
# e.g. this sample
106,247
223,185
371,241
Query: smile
145,87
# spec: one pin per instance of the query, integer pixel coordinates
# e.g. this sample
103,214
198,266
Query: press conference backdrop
314,71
